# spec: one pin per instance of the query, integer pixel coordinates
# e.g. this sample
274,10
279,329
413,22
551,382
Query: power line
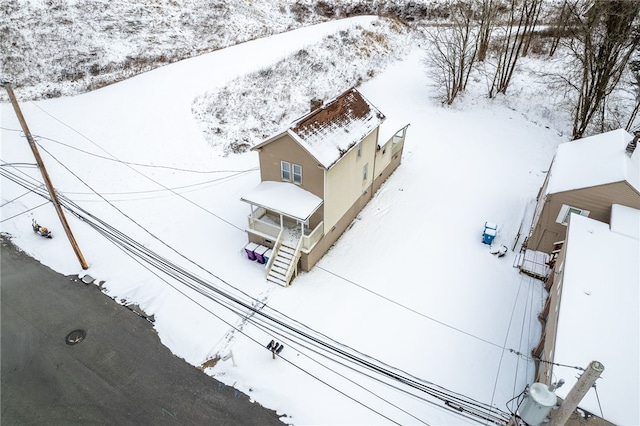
241,229
26,211
137,171
165,262
15,199
458,402
157,166
410,309
516,352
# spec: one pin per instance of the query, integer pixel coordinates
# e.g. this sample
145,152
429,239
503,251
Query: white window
297,173
566,211
285,170
365,170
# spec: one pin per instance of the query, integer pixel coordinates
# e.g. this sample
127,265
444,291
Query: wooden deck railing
308,241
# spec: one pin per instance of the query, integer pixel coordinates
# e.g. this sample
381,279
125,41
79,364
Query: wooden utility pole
45,175
560,416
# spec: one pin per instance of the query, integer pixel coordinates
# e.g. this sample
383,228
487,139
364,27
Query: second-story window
359,150
297,174
285,170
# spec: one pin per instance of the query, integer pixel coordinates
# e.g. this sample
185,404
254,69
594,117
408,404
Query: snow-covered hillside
273,96
52,48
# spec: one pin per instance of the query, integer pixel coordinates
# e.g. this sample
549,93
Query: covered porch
281,211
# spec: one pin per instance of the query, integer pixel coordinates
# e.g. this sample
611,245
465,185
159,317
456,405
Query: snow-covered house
586,177
591,314
316,175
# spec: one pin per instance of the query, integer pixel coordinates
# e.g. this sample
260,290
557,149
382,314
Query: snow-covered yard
409,284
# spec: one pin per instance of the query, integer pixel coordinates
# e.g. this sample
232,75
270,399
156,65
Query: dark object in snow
40,230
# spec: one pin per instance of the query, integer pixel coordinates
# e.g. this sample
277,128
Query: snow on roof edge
599,296
285,198
593,161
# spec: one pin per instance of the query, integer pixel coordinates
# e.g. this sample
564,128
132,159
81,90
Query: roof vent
315,104
632,145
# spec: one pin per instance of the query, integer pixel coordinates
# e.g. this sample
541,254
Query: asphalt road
119,373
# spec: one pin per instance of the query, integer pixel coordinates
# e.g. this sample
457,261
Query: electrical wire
15,199
598,399
241,229
37,137
408,308
506,337
518,353
459,405
24,212
137,171
451,399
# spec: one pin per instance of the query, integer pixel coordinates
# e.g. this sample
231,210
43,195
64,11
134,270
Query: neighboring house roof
328,132
592,161
285,198
598,314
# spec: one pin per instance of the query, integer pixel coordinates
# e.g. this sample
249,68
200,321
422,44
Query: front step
283,260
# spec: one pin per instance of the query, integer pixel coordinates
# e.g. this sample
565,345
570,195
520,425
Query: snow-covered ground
409,284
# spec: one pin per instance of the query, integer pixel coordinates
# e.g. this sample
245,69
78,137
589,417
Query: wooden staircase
285,260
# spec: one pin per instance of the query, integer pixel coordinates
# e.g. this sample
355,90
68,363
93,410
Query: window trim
293,174
565,213
287,171
365,171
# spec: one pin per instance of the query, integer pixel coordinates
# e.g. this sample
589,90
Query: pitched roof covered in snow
598,313
328,132
595,160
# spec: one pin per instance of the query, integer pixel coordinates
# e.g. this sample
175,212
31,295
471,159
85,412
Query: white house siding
344,183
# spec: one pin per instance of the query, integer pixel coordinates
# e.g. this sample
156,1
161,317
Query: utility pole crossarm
45,176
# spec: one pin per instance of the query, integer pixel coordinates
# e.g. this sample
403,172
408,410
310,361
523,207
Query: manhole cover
75,337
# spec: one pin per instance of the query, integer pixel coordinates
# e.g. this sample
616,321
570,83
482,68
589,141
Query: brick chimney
315,104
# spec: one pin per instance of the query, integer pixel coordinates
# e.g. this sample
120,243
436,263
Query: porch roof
389,128
285,198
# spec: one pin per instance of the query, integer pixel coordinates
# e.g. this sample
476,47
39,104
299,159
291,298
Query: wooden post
560,416
45,175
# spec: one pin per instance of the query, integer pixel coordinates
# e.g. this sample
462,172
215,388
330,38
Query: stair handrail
293,266
274,252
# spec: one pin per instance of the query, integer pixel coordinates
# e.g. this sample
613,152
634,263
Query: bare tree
528,35
635,72
488,14
523,15
559,27
606,34
453,51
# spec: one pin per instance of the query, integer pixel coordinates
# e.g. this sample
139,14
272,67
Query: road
119,373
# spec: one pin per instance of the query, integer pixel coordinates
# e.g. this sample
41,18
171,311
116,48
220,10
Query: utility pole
45,175
560,416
